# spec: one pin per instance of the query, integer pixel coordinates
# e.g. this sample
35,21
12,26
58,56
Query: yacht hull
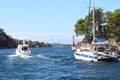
87,56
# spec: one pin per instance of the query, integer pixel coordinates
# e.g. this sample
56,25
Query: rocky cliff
6,41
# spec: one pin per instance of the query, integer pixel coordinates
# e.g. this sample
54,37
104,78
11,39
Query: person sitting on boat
79,47
79,50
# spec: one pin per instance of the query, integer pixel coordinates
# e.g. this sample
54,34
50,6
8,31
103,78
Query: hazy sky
46,20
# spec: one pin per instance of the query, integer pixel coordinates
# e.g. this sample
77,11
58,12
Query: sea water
55,63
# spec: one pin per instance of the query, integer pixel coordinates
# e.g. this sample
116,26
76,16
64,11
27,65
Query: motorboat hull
23,52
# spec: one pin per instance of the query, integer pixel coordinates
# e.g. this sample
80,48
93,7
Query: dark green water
55,63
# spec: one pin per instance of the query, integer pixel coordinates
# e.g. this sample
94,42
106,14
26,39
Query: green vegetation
60,45
6,41
107,25
35,43
39,44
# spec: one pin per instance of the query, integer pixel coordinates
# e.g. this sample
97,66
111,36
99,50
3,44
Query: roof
99,41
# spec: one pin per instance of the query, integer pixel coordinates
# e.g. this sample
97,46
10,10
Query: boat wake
12,56
46,57
42,57
38,56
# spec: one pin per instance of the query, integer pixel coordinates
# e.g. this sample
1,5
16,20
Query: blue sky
46,20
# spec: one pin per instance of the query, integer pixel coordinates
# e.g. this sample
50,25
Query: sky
49,21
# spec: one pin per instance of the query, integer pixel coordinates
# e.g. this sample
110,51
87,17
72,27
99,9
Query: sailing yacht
98,50
85,52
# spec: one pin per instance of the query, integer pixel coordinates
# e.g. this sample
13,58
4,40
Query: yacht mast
93,19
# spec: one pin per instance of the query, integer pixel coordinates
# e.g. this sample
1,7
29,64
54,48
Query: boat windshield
25,48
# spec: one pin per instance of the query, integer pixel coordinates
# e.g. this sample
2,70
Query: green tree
79,27
107,16
85,25
114,25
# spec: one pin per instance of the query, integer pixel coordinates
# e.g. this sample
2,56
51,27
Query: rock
6,41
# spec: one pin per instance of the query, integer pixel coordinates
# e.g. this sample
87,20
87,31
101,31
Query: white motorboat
23,49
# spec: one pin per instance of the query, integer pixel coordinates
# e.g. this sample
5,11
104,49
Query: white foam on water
12,56
41,56
25,56
45,57
68,57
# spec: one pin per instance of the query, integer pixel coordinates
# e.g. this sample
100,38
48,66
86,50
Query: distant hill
35,43
6,41
60,44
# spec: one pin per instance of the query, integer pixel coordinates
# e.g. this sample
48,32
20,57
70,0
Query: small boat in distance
23,48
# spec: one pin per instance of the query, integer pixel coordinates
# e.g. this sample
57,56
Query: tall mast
93,19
